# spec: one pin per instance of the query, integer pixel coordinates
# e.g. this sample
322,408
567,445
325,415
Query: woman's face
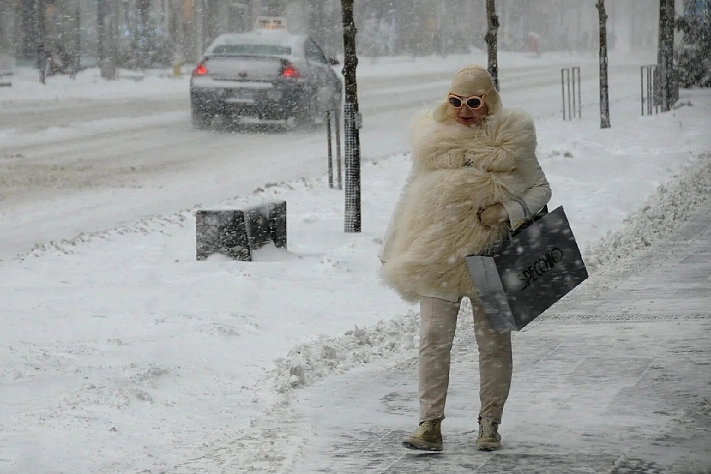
467,116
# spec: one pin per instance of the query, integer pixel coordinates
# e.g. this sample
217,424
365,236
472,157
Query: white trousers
438,321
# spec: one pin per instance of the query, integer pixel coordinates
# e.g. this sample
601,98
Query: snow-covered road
80,166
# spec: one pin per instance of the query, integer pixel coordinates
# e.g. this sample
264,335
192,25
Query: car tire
200,117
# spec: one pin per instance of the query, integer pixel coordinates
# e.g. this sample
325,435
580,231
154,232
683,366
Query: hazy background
149,33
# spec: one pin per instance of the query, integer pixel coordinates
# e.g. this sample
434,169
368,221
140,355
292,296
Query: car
267,74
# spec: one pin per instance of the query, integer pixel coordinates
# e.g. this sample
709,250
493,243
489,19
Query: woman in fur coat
474,167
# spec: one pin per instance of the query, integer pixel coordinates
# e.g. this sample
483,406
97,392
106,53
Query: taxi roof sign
270,23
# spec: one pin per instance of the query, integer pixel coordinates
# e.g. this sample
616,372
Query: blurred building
143,33
563,25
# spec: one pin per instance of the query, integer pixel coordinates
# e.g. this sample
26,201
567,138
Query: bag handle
526,210
528,218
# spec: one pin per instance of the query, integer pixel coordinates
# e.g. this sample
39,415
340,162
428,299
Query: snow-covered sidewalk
613,379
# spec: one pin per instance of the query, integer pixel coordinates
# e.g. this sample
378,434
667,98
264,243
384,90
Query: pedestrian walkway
616,378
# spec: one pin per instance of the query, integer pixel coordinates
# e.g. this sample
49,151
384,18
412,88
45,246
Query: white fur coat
456,171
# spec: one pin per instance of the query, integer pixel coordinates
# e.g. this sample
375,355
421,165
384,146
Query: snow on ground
121,353
88,84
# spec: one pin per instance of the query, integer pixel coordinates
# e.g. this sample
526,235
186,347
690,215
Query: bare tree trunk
662,54
107,61
665,56
28,27
116,34
350,61
41,40
491,43
143,38
76,49
604,84
143,12
351,118
101,47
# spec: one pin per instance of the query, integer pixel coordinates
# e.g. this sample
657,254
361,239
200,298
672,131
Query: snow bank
308,363
663,212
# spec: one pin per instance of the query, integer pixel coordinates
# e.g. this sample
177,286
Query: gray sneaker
489,438
427,437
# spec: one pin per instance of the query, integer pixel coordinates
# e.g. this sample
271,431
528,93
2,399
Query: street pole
352,121
491,41
604,84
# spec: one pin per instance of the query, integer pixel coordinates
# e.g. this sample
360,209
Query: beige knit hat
468,81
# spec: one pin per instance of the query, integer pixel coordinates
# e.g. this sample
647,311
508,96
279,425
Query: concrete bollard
237,233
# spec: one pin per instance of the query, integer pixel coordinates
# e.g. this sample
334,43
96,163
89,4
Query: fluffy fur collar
457,170
494,145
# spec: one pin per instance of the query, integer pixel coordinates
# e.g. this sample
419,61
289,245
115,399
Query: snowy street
98,160
120,353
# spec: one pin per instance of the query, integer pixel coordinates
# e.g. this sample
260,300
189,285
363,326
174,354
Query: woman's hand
493,215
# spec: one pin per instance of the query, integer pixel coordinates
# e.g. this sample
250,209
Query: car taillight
288,70
200,70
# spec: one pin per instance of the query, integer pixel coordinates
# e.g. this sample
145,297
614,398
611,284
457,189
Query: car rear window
251,49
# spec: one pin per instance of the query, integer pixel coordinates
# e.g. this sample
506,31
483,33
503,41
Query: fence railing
333,126
571,90
649,83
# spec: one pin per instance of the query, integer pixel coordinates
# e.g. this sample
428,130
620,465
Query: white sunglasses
474,102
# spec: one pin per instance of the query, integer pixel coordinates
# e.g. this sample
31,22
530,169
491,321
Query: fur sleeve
538,191
513,130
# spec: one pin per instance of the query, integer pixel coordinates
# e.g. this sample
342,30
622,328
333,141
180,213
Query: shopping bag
535,269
